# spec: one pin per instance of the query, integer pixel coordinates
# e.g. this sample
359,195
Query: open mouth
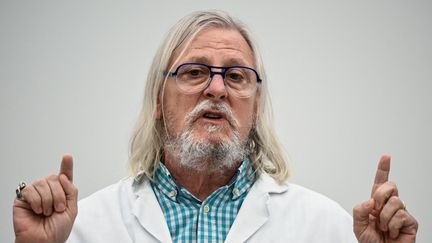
210,115
213,115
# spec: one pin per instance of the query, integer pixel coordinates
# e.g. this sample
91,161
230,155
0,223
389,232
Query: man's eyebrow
199,59
229,62
237,62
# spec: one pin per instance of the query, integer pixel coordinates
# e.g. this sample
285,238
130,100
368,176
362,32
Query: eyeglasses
195,77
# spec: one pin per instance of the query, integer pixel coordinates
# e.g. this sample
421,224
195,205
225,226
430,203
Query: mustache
209,105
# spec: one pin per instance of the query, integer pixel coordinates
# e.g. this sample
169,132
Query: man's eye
195,72
235,76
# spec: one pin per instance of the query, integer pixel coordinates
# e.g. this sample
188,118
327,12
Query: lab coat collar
254,212
148,212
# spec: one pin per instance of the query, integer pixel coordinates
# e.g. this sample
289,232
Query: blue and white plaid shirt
189,219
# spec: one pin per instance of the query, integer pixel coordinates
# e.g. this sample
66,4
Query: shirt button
173,193
206,208
236,192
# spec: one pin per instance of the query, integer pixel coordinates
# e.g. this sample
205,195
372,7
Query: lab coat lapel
149,213
254,212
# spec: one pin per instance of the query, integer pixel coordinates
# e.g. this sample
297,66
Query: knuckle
380,190
402,215
403,221
394,200
74,189
39,182
391,184
26,190
356,209
415,224
74,212
52,177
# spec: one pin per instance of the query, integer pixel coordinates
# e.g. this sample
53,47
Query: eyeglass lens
193,78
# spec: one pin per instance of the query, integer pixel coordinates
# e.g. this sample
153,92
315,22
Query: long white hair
146,144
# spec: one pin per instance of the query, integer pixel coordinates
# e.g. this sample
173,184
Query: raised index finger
382,172
66,166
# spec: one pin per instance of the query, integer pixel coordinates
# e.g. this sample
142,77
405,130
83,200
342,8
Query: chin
213,133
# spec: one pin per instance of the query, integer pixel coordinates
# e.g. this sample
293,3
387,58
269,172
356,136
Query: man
206,163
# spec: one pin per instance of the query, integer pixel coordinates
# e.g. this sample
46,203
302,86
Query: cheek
245,117
175,110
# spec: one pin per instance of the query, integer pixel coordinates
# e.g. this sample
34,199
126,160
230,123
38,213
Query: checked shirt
192,220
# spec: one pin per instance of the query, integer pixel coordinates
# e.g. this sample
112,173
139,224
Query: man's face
215,47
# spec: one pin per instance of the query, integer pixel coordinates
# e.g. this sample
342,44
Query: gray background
350,80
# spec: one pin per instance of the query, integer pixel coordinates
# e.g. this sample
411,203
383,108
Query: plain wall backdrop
350,80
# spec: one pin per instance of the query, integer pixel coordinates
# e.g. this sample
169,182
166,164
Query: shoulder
314,204
307,197
110,197
105,203
108,209
292,192
314,216
304,200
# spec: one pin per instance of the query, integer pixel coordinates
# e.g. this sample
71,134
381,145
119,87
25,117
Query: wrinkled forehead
201,46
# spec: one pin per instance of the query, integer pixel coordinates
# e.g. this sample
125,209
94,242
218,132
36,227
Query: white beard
202,154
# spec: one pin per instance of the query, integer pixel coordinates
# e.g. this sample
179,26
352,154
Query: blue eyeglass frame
224,70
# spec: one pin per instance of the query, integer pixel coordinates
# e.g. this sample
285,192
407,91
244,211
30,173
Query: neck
200,183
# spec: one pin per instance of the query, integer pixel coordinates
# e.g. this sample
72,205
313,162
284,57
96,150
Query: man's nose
216,88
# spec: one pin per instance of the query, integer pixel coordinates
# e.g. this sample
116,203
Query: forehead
217,46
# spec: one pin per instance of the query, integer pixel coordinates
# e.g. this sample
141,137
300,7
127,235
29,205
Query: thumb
361,214
66,166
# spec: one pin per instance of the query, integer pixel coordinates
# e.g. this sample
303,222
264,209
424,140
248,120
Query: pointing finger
382,172
66,166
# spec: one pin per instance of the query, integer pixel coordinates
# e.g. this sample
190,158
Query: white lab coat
272,212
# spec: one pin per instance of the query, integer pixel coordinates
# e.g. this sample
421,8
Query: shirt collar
240,184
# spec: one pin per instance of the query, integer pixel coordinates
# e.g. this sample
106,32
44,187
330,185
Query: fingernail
60,207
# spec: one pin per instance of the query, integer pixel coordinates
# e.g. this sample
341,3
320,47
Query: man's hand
383,218
48,207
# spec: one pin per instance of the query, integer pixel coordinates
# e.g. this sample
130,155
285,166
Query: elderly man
206,164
